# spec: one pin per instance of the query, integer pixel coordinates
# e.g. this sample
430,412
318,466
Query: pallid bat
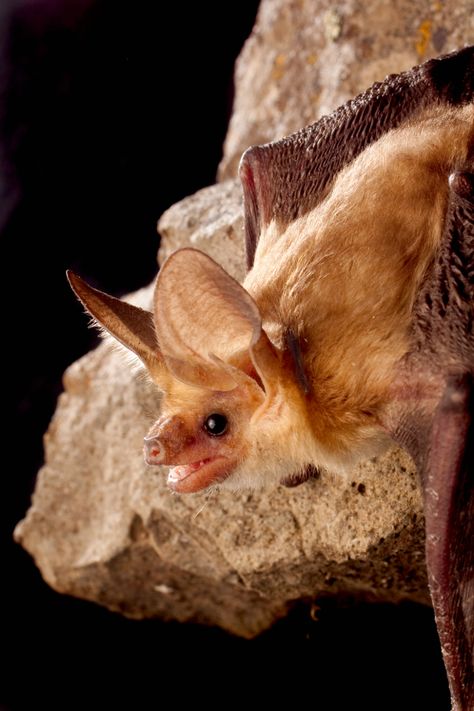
352,329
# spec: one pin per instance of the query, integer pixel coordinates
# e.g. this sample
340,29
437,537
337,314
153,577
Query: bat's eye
216,424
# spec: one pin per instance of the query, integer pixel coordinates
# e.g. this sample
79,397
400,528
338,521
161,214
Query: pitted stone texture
210,220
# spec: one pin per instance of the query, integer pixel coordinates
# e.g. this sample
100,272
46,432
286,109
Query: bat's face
241,438
204,436
232,414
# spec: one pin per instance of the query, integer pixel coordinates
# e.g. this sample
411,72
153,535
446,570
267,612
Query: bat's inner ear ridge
202,318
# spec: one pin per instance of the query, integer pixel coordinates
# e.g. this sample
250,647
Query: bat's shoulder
288,178
452,76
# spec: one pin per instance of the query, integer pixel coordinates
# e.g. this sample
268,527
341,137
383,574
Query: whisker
209,496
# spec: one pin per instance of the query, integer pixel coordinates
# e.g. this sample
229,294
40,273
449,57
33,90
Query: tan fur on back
344,276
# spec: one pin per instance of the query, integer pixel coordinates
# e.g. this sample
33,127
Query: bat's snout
153,450
163,443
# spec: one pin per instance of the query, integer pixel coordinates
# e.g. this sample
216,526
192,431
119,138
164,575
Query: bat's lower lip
189,478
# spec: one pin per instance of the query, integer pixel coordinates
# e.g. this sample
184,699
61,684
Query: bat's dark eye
216,424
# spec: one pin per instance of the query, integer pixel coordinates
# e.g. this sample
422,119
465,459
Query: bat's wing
285,179
432,416
432,410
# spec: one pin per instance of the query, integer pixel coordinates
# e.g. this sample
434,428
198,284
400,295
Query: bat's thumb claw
462,183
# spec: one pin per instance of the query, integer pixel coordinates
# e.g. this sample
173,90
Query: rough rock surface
306,57
102,525
210,220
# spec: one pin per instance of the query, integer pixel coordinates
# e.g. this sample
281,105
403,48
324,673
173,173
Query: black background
110,111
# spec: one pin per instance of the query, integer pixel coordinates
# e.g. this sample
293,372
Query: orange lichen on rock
424,37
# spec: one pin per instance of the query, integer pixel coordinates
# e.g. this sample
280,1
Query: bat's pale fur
344,276
342,279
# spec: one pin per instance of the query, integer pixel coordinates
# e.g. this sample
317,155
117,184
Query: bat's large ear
205,319
131,326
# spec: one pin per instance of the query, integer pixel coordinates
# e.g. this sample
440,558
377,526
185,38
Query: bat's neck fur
336,287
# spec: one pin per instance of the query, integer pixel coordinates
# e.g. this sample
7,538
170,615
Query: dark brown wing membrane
448,482
285,179
437,428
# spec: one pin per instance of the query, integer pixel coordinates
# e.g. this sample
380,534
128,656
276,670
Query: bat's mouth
188,478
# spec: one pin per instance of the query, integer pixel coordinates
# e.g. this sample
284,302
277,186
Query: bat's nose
153,450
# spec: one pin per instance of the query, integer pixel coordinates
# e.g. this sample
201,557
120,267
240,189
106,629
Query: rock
210,220
103,526
306,57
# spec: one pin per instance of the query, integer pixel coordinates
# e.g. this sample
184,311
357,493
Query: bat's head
232,413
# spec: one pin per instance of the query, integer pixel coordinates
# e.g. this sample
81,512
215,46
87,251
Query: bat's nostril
153,450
